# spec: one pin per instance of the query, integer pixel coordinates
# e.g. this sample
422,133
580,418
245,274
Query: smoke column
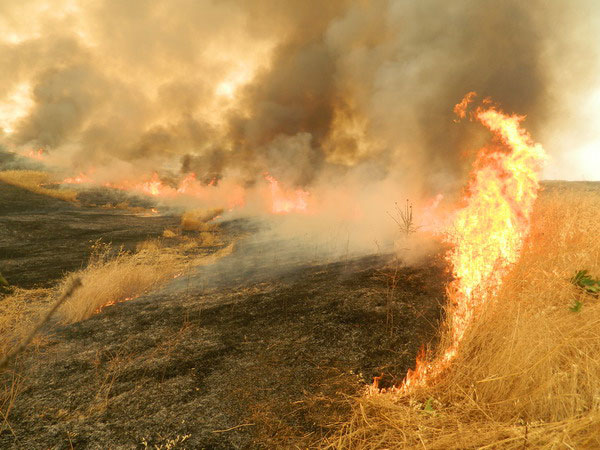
312,92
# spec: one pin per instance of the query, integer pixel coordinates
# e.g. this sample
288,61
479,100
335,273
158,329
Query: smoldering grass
528,374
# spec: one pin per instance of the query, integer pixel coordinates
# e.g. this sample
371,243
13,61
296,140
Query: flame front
487,234
286,201
229,194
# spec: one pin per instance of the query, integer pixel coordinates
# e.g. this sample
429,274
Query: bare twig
68,293
234,428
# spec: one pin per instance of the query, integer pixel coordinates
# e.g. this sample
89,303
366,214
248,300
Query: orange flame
34,154
231,194
286,201
460,109
79,179
488,232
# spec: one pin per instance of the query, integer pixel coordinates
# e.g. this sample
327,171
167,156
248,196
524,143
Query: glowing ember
286,201
488,232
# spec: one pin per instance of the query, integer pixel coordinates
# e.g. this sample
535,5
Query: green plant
576,307
428,407
584,281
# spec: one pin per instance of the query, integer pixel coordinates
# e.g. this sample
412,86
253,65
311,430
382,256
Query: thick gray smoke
302,89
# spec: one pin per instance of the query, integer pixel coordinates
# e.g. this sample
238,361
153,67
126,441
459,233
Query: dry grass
110,278
199,220
19,312
529,370
34,181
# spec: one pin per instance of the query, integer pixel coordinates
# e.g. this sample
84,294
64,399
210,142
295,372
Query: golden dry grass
528,374
19,311
199,219
111,279
34,181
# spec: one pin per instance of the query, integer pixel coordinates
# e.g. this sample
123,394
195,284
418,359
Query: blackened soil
41,238
260,365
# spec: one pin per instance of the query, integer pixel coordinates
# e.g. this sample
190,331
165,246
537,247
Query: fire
154,186
286,201
488,232
79,179
230,194
34,154
460,109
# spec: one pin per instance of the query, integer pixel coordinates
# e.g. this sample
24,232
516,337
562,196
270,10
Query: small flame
460,109
286,201
38,154
489,231
79,179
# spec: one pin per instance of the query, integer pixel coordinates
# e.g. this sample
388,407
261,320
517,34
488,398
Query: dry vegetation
18,314
111,276
19,311
529,370
34,181
109,279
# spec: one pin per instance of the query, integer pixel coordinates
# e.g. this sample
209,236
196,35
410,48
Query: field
228,341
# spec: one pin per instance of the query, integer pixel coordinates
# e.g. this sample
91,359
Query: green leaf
429,405
576,306
584,281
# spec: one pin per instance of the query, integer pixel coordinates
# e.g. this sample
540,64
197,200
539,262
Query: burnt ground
262,359
41,238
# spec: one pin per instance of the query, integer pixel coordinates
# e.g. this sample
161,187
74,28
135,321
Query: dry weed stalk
528,373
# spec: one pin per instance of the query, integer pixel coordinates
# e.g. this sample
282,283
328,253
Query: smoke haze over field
308,91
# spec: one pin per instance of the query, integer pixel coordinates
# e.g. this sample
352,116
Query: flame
79,179
488,232
286,201
460,109
38,154
230,194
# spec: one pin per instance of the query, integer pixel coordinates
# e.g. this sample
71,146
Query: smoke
340,95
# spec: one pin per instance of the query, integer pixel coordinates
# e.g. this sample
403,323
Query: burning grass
528,372
34,181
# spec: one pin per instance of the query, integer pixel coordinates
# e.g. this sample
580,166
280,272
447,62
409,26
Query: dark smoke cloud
330,85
